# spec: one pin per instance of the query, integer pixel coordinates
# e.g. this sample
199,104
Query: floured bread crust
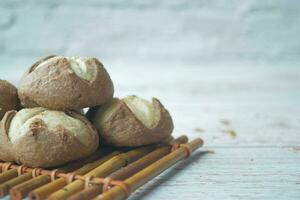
8,98
66,83
132,121
42,138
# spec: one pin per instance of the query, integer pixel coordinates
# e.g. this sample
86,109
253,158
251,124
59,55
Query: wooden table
249,117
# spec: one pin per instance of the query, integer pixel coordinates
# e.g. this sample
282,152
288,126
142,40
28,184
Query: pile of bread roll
43,123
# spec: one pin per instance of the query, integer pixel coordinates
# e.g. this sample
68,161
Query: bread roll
65,83
132,121
8,98
38,137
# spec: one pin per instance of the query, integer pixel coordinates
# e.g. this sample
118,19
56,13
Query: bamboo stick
44,191
103,170
143,162
19,180
142,177
24,186
12,174
131,169
8,175
21,191
4,187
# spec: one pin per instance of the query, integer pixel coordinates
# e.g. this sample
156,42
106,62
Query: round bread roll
132,121
8,98
65,83
38,137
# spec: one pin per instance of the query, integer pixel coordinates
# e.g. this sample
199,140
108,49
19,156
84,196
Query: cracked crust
123,128
6,147
8,98
56,86
41,147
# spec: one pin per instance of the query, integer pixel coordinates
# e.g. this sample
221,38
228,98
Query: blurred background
157,32
210,62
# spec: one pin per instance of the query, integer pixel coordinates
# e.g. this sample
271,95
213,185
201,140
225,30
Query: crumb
227,128
199,130
230,132
225,122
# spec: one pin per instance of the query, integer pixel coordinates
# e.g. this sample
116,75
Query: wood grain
230,173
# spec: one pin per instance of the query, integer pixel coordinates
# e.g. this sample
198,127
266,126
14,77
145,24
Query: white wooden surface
261,104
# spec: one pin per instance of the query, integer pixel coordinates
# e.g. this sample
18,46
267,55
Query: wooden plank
254,125
230,173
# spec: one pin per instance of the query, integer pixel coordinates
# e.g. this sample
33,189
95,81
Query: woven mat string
6,166
21,170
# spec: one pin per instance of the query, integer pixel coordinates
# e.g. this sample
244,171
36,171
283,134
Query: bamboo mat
106,174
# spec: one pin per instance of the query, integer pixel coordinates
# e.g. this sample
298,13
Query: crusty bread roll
132,121
8,98
38,137
65,83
